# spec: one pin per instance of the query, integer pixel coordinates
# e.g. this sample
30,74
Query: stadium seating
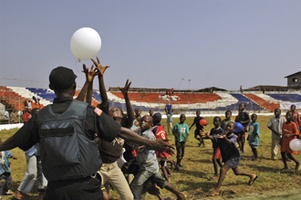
286,97
265,104
219,101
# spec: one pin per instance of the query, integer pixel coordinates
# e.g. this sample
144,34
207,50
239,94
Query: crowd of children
227,137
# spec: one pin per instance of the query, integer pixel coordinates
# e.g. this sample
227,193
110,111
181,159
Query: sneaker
8,192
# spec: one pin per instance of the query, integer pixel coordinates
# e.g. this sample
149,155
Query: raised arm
130,114
88,84
102,89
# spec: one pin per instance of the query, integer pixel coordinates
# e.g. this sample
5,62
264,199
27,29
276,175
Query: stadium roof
293,74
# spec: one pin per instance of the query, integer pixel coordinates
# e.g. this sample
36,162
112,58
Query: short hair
228,111
217,117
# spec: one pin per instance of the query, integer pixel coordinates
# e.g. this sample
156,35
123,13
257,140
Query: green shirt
180,131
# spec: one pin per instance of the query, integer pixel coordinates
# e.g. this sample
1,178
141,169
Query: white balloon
85,43
295,145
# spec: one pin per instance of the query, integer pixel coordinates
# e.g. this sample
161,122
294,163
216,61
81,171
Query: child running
253,137
216,158
230,156
289,132
198,128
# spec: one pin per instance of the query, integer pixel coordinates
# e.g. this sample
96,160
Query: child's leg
222,175
242,173
253,177
179,194
289,155
214,161
254,150
8,181
219,162
283,156
242,142
164,169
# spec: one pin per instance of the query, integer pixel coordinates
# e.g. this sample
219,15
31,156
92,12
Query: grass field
193,179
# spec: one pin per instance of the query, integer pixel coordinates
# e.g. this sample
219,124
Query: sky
155,44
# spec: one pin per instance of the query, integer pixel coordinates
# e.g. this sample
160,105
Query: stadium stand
286,97
265,104
13,97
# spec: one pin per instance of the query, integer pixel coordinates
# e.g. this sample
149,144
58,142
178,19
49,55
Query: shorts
197,133
217,154
253,146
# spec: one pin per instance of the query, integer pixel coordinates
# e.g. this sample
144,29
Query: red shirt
290,128
26,117
160,133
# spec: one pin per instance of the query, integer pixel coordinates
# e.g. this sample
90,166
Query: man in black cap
65,131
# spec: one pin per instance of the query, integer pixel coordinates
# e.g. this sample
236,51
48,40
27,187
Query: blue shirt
146,158
34,150
169,117
253,130
5,167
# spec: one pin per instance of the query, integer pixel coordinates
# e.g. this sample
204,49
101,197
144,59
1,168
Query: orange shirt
290,128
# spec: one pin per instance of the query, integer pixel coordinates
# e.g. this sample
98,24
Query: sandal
18,196
253,180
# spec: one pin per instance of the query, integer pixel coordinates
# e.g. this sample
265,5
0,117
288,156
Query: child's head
198,113
151,112
289,116
231,127
157,118
116,112
253,117
228,114
146,122
217,121
293,107
137,111
277,112
182,118
242,106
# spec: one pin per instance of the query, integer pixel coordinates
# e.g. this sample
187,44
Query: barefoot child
289,132
230,155
253,137
217,157
198,128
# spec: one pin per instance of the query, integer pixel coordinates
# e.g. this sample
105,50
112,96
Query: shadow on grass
198,160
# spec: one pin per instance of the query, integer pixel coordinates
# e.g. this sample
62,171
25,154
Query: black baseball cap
157,117
61,78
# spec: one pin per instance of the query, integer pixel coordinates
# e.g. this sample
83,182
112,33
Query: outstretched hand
89,74
99,67
161,146
126,87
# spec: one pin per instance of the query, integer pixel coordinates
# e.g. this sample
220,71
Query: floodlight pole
180,82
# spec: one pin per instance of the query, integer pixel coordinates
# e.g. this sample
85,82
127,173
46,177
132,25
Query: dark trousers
8,179
75,189
180,147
